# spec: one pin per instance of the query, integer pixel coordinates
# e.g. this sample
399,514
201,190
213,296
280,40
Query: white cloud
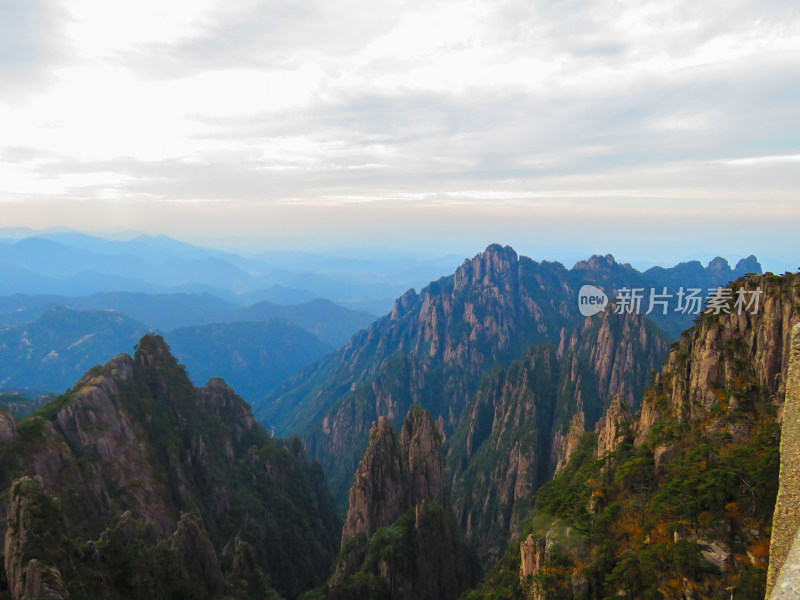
558,106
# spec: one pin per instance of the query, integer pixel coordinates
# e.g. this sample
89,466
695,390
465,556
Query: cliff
676,502
525,422
136,455
400,539
436,346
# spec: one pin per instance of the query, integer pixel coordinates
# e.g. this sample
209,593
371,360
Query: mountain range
483,425
51,352
331,323
136,484
76,264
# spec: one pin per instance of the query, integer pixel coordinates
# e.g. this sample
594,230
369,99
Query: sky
657,131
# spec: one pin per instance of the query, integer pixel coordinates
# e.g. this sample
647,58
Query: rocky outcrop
696,486
380,491
612,427
532,554
435,346
186,464
786,520
197,553
395,474
726,347
36,545
400,531
526,421
565,445
8,427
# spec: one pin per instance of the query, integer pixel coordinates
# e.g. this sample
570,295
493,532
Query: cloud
32,41
571,108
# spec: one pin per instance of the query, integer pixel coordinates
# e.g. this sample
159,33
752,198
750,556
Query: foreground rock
400,539
152,488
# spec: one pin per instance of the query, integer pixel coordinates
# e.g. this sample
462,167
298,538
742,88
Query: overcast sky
655,130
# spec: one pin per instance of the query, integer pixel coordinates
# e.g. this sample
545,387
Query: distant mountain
253,357
158,311
21,405
77,264
434,348
694,274
612,276
331,323
55,349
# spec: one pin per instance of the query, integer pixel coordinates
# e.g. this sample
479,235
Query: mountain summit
440,347
161,490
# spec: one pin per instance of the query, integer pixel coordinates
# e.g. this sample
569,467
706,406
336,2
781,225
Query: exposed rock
136,436
662,454
197,553
532,555
8,427
42,582
35,544
708,355
786,519
400,483
435,346
565,446
610,429
717,554
422,443
379,494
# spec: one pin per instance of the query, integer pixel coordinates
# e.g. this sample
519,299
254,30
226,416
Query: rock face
400,535
197,553
382,474
611,427
186,464
435,346
399,473
725,346
786,520
525,422
35,543
532,554
692,479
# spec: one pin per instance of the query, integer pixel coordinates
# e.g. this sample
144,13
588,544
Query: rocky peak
403,304
719,265
596,262
218,398
400,485
197,553
748,265
497,265
379,493
422,443
180,459
152,352
395,474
